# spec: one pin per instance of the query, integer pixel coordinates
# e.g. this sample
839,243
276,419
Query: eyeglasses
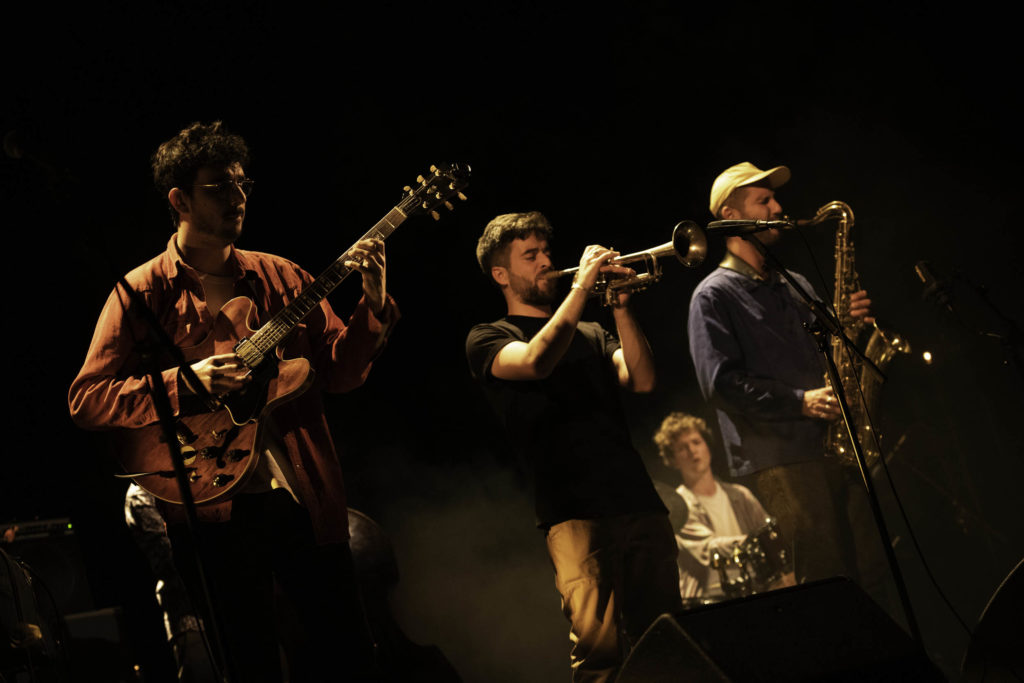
225,187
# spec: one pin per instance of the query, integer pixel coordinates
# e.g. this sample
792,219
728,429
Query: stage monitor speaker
996,650
49,548
823,631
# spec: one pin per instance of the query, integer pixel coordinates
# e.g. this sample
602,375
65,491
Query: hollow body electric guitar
221,445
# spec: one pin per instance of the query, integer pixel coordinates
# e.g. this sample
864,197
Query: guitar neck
277,328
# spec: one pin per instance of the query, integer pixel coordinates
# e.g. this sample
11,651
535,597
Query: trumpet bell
690,243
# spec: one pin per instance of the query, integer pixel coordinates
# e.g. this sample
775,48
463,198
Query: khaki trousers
616,576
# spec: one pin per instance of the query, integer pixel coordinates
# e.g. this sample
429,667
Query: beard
226,230
769,237
540,292
766,237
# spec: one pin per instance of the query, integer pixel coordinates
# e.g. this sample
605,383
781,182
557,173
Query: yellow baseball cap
741,174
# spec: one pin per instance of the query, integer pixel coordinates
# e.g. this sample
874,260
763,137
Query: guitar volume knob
236,454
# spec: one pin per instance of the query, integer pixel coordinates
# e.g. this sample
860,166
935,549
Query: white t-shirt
723,523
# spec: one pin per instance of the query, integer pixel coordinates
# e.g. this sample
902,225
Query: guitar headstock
442,184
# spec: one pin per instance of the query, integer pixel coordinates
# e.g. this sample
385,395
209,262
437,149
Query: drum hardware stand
148,349
828,324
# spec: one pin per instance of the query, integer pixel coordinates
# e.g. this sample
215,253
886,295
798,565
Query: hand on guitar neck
225,372
368,259
245,370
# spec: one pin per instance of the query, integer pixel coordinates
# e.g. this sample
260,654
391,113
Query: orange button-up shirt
111,390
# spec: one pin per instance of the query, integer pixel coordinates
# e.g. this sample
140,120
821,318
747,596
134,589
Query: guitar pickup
248,352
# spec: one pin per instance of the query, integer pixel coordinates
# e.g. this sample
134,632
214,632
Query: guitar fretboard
277,328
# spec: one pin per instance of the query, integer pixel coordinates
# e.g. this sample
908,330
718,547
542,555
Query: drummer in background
720,514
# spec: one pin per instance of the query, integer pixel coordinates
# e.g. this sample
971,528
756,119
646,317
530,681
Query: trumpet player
553,380
763,374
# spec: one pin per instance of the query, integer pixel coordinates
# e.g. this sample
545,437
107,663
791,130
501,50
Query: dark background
613,123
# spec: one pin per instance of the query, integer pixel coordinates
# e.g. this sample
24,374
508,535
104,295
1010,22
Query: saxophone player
763,375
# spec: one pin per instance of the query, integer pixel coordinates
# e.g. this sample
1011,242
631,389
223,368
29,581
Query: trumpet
689,244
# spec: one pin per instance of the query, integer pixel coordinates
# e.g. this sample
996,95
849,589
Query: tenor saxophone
882,347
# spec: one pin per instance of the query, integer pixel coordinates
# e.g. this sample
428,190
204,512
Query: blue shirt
754,360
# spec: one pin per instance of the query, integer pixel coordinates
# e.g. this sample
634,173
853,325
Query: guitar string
267,338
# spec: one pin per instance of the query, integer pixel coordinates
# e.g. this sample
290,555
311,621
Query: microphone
746,227
934,287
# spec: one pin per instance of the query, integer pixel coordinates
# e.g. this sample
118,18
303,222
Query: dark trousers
265,571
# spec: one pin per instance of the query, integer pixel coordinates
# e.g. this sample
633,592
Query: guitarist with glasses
281,518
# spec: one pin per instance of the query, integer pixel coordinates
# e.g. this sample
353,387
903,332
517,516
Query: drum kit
754,566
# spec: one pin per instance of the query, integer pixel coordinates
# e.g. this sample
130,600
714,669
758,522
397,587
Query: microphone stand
830,325
743,228
157,339
1009,334
64,187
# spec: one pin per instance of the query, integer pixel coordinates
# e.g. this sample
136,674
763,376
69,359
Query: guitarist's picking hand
222,373
367,256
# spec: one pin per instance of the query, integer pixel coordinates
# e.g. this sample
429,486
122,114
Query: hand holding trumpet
688,244
598,262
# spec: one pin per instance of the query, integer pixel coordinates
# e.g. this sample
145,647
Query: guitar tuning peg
462,196
419,179
437,195
435,215
449,205
433,169
406,189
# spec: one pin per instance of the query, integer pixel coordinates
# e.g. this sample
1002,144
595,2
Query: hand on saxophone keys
821,404
860,306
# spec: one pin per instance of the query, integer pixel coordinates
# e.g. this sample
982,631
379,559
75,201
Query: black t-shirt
569,427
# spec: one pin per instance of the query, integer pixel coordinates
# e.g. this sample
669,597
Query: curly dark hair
492,247
672,426
177,161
